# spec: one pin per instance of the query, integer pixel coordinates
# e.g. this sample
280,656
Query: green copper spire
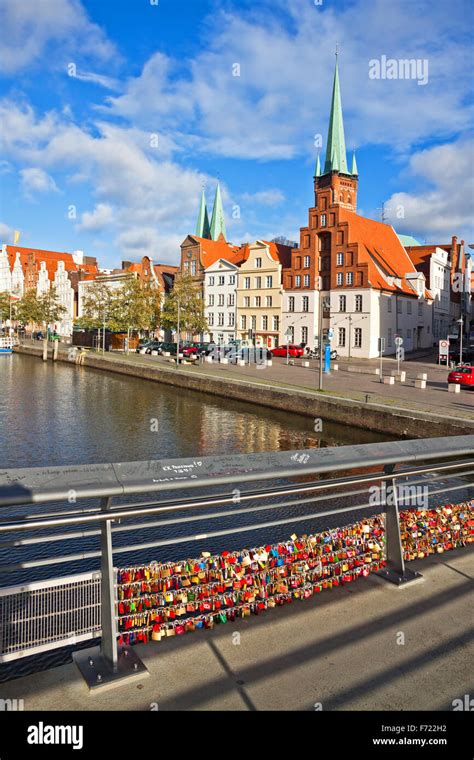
354,170
217,220
202,227
317,171
336,145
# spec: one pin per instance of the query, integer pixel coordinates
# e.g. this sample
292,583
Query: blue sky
116,112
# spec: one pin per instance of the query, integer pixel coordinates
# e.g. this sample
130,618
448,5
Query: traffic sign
398,341
444,347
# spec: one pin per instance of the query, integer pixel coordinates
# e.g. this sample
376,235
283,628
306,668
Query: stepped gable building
360,283
23,269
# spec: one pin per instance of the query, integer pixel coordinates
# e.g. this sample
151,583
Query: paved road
341,650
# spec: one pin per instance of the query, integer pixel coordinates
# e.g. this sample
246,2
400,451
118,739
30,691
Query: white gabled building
220,301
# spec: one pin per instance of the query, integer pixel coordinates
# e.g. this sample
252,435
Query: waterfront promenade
337,650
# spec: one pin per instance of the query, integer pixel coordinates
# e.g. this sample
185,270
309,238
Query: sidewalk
364,646
435,399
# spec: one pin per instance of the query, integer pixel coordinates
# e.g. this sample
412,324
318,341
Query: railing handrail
37,485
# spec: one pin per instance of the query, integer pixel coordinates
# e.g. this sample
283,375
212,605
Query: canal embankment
432,415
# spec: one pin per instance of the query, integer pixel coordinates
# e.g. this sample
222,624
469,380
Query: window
349,278
221,279
342,303
342,337
193,268
221,299
409,307
323,220
211,280
210,319
253,320
276,324
247,302
306,280
298,259
258,301
211,300
264,322
339,280
258,263
231,319
247,283
358,337
304,334
305,303
291,303
298,281
358,303
339,259
306,262
399,307
243,322
230,299
220,318
186,268
408,334
268,301
389,305
389,337
420,309
232,279
269,282
258,282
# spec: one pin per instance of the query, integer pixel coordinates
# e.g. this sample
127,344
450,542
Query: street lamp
460,323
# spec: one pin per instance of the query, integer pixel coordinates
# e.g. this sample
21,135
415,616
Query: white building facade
220,301
300,317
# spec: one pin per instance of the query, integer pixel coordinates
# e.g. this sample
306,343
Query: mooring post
55,350
45,349
395,570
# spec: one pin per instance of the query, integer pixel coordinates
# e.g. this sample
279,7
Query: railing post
107,664
395,570
108,649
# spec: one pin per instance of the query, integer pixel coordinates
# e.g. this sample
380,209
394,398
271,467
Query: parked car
143,345
467,354
462,375
154,345
290,350
189,350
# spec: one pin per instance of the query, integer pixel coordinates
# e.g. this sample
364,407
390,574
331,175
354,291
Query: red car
462,375
189,350
293,351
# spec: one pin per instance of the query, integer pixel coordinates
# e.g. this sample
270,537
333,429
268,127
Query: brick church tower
336,185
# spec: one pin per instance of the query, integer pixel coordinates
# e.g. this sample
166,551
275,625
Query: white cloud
6,232
96,220
28,29
272,197
103,81
36,180
441,203
281,98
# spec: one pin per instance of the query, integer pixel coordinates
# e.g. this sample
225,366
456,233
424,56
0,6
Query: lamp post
178,332
460,323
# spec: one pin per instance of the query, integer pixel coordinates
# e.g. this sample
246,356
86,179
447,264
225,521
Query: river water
60,414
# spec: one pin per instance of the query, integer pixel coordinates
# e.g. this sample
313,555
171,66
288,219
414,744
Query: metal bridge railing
42,615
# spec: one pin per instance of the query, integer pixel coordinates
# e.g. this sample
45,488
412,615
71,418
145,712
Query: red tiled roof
213,250
380,248
51,258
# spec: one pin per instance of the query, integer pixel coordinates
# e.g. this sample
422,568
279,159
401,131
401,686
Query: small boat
6,345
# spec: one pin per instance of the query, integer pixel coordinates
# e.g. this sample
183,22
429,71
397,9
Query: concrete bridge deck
339,648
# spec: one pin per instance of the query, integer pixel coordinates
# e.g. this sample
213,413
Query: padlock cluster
432,531
158,600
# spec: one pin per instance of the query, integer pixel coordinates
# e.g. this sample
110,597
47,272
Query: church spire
217,220
354,170
336,144
317,170
202,227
